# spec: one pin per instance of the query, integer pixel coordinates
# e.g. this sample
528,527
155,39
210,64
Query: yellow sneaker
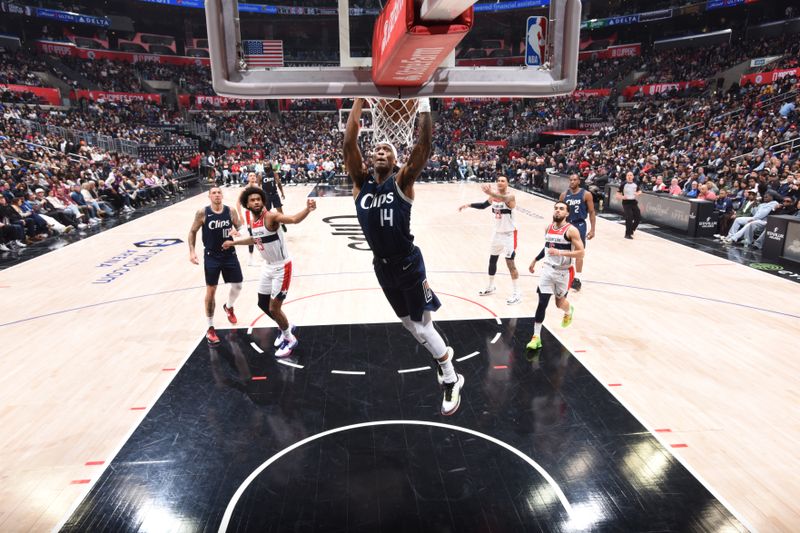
567,320
535,343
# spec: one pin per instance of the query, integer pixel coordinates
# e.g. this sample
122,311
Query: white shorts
275,280
556,282
504,244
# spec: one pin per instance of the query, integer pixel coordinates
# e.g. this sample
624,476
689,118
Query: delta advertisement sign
69,49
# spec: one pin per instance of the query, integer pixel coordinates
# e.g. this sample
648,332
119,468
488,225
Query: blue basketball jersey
577,209
217,229
384,213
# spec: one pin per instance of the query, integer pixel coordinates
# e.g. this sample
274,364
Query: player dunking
504,240
276,274
562,245
580,203
383,206
219,224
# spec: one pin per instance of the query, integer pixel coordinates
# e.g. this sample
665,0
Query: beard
257,212
559,219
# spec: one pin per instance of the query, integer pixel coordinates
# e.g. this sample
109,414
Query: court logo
157,243
768,267
348,226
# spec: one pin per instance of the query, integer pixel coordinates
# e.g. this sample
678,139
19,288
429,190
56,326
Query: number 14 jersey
384,214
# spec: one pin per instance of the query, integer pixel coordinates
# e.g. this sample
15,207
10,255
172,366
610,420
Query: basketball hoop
393,120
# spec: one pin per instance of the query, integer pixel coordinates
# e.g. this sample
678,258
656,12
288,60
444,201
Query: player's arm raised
509,199
197,223
280,218
421,151
353,161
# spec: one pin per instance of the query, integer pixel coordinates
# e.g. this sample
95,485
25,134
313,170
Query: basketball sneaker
452,396
229,312
487,291
286,347
280,338
514,299
567,320
535,343
211,336
576,284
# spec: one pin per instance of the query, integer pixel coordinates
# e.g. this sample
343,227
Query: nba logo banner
535,41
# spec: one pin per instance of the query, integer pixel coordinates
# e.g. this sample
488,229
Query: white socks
448,370
236,289
537,329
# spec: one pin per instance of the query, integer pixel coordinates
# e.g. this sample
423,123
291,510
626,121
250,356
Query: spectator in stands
16,232
723,208
675,188
747,227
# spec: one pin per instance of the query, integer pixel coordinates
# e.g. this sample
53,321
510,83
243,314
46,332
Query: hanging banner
115,97
48,94
765,78
623,20
658,88
591,92
69,49
622,50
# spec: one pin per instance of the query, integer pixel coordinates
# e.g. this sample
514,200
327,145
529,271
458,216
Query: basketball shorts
225,264
274,201
275,280
504,244
405,284
556,282
581,226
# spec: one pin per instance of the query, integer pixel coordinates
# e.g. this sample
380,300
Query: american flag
263,53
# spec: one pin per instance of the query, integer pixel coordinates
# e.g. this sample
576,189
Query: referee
629,191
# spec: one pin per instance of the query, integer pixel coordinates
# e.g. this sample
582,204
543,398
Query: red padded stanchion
407,50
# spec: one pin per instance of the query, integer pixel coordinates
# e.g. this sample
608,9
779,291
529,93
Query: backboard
238,42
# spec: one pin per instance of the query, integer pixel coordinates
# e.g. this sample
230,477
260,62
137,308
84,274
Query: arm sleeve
540,256
480,205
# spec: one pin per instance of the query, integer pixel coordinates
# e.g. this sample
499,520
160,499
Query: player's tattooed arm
197,223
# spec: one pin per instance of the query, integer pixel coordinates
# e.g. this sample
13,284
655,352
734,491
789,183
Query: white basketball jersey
271,244
503,217
557,238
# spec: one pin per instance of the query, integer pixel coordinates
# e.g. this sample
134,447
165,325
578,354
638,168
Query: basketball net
393,120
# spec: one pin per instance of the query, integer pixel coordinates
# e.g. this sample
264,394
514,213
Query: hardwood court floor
692,344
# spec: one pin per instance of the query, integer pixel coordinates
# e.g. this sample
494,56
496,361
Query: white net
393,121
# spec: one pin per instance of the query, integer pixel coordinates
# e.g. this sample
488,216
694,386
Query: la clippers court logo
157,243
534,49
348,226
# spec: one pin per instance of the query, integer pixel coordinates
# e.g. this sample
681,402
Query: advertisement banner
717,4
765,78
591,92
69,17
626,19
658,88
761,61
50,95
69,49
612,52
115,97
217,101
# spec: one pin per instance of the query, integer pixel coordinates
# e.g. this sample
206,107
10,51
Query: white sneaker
280,338
20,244
452,396
4,248
487,291
514,299
286,347
718,236
81,225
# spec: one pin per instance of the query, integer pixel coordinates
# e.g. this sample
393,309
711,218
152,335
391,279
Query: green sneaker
535,343
567,320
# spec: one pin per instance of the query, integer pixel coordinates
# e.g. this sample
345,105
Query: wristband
424,105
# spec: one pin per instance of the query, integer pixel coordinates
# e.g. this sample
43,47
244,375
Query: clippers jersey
217,229
577,211
271,244
557,238
384,214
503,217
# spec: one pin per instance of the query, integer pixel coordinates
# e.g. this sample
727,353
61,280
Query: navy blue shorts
581,225
405,284
274,201
227,265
